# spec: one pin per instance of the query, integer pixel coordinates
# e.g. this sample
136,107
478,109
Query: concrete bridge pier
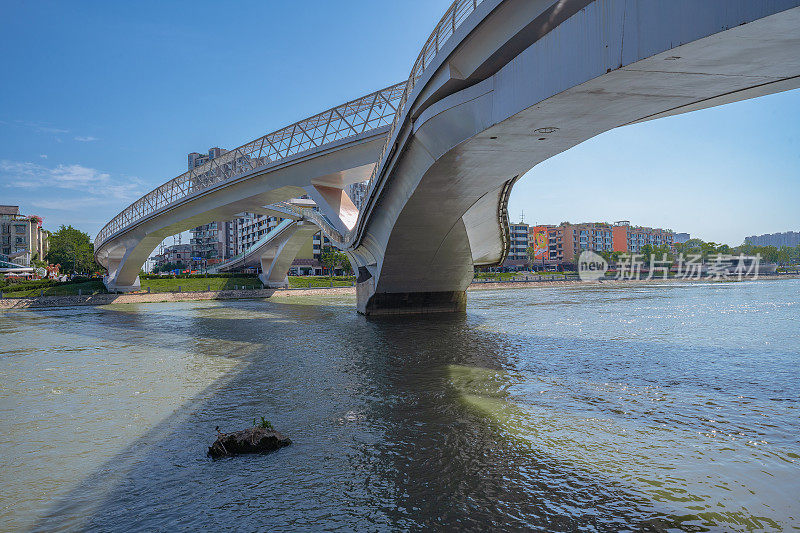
407,303
276,260
112,278
135,286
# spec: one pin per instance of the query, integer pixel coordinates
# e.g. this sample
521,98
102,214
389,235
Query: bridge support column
275,263
111,286
111,279
408,303
272,284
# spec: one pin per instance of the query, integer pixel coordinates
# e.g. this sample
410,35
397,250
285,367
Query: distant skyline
105,101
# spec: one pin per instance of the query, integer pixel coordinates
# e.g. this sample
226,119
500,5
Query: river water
646,407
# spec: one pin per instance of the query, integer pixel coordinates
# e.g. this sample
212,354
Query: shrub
196,276
264,424
9,286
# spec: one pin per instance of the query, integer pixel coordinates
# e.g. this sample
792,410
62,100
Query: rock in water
252,440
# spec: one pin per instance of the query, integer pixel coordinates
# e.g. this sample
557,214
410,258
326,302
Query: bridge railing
455,15
325,225
357,116
314,216
250,249
288,208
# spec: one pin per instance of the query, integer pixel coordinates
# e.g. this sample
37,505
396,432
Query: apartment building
593,236
560,246
214,242
778,240
251,227
631,239
555,245
518,248
681,238
21,236
177,253
357,193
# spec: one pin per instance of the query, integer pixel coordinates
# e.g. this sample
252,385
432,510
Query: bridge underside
349,161
276,261
610,64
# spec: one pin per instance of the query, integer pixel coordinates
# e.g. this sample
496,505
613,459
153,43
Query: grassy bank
20,290
233,283
195,284
309,282
200,284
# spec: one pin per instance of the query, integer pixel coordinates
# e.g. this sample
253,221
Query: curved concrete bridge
502,85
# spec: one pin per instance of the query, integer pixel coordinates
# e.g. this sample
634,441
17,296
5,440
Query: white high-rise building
250,227
214,242
357,193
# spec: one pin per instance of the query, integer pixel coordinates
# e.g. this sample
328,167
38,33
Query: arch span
511,95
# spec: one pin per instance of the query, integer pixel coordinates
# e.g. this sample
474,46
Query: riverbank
93,287
160,297
236,294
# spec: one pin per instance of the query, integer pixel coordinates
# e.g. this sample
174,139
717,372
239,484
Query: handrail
455,15
314,216
260,242
352,118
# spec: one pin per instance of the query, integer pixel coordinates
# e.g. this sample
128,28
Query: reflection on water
563,409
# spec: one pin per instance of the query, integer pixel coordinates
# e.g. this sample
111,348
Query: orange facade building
562,244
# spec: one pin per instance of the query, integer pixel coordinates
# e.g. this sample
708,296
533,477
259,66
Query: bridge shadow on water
383,436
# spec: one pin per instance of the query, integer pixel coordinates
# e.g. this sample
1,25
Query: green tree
690,247
784,257
332,258
38,263
647,251
72,249
531,252
708,249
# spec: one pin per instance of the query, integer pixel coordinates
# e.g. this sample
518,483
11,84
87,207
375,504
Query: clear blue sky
101,101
